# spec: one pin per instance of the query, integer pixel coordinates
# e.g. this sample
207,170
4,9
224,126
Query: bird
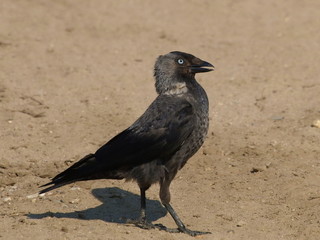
159,143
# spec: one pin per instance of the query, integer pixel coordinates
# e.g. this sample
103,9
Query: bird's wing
157,134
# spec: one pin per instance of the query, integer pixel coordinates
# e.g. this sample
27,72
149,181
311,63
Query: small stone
33,196
241,223
316,123
42,195
73,201
277,118
13,188
7,199
256,169
206,150
268,164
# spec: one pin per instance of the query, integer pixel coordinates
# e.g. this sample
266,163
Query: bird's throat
177,89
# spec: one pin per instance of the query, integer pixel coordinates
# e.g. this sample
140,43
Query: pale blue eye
180,61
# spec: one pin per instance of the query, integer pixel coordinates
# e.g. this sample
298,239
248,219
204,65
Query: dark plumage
160,142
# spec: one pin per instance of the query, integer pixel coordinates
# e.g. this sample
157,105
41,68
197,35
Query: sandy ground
75,73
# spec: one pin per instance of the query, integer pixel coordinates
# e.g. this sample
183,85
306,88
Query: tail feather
52,187
81,170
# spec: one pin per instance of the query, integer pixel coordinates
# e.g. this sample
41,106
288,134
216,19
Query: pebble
268,164
73,201
277,118
256,169
42,195
241,223
7,199
316,123
33,196
12,188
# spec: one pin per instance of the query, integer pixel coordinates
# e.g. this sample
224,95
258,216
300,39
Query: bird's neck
178,88
174,85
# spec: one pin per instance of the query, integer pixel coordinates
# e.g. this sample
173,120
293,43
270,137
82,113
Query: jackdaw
157,144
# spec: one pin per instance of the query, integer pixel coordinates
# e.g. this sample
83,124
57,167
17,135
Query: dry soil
75,73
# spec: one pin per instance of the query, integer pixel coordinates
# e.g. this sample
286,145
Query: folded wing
157,135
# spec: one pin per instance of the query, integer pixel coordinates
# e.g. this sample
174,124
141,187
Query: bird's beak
201,67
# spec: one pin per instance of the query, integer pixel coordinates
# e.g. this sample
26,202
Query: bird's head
177,68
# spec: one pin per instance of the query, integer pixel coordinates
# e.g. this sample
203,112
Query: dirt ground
75,73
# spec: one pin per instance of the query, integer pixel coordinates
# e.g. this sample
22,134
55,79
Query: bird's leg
142,220
143,217
181,226
165,199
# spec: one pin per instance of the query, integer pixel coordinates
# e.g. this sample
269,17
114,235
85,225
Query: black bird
159,143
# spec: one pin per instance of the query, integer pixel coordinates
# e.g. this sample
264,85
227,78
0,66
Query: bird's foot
180,230
147,225
141,223
192,233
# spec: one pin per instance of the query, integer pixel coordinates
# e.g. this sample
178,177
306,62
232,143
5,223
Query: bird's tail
81,170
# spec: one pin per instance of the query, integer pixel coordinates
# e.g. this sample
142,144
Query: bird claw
141,223
180,230
192,233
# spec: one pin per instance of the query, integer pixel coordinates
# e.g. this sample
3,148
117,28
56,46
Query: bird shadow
118,206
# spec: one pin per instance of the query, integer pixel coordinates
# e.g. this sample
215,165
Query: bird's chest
196,139
201,108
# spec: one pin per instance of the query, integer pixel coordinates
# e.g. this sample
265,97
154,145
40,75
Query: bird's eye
180,61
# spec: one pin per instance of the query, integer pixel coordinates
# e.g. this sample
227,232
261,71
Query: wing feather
157,135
